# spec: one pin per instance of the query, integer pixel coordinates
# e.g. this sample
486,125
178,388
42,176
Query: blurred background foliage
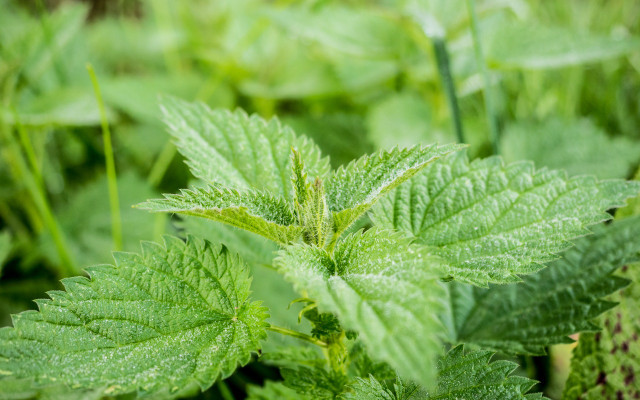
557,82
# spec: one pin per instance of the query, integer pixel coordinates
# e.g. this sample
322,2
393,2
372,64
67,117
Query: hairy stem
482,65
297,335
116,222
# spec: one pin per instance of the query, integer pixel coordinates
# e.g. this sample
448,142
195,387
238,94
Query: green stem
39,198
25,140
297,335
116,223
488,95
444,68
224,390
161,164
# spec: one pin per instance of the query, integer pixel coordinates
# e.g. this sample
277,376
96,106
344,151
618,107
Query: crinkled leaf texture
472,376
381,286
173,317
560,300
353,189
460,376
237,150
605,364
253,211
493,222
372,389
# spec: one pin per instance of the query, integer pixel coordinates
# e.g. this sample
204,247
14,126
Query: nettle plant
455,257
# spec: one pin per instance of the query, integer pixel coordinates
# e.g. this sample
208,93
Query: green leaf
353,189
381,286
372,389
538,47
579,147
274,390
605,364
493,222
408,116
357,32
237,150
173,317
460,376
69,106
318,383
546,307
473,376
254,211
86,220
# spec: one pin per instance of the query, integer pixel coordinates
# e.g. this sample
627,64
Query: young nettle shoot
462,253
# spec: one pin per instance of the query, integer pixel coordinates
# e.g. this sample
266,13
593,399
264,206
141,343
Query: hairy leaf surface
253,211
353,189
372,389
173,317
493,222
237,150
381,286
473,376
560,300
460,376
605,364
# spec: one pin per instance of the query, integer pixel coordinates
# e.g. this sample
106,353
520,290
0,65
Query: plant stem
224,390
25,140
161,164
39,198
444,68
116,223
482,65
297,335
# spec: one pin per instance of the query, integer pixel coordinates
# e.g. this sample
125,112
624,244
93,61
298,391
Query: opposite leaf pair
180,316
258,174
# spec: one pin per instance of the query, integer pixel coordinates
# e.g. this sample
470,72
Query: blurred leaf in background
577,146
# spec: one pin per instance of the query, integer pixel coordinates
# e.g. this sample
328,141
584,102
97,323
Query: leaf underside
170,318
546,307
493,222
237,150
381,286
253,211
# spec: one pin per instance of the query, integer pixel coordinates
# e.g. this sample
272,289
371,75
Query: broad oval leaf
546,307
254,211
355,188
238,150
381,286
492,221
170,318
